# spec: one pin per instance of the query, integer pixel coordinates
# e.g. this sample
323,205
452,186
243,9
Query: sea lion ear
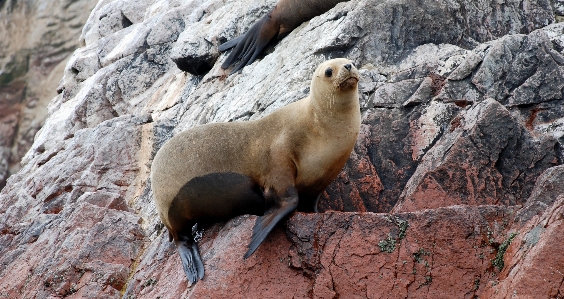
328,72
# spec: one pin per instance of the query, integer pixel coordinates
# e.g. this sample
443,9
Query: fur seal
267,167
286,15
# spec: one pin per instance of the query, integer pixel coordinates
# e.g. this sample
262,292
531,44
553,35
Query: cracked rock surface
36,39
453,190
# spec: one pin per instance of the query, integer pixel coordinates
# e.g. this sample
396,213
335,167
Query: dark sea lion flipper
190,257
230,44
266,223
250,45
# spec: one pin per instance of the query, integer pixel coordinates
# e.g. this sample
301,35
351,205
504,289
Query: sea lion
268,167
286,15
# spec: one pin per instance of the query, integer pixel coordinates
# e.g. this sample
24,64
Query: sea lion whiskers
332,100
346,78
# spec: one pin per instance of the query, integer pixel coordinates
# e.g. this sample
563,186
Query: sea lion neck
333,101
330,103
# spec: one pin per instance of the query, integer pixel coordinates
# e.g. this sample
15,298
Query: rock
484,157
362,196
391,40
10,109
338,254
533,71
547,189
36,39
228,275
532,260
196,50
68,230
396,256
462,124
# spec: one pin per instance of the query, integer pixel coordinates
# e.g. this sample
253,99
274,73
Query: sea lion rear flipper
266,223
230,44
250,44
190,257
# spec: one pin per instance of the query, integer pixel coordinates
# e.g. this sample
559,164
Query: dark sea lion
268,167
286,15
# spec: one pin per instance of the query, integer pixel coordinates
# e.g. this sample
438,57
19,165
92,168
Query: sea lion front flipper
250,44
266,223
230,44
190,257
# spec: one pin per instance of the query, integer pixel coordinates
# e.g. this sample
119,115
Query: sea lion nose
348,66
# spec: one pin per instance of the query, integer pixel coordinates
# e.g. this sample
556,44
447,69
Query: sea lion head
336,81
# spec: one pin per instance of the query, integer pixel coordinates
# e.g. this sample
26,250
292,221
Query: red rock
358,187
338,254
265,274
86,261
342,252
60,236
490,159
534,264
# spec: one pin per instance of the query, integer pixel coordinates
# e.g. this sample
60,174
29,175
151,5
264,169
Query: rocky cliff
454,188
36,39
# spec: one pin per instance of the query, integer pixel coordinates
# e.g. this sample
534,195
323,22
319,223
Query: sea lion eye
328,72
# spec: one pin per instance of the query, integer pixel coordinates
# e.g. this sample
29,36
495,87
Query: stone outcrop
453,188
532,265
334,254
36,39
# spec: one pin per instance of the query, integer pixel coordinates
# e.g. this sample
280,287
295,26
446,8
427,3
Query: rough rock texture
485,157
36,39
401,255
369,255
533,267
548,187
452,189
55,224
228,275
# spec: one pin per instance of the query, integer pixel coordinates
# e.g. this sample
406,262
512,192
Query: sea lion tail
190,257
266,223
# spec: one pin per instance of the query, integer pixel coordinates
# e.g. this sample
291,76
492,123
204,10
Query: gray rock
547,189
377,32
36,39
531,73
196,51
483,157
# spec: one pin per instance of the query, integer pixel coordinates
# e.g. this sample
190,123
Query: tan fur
304,144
